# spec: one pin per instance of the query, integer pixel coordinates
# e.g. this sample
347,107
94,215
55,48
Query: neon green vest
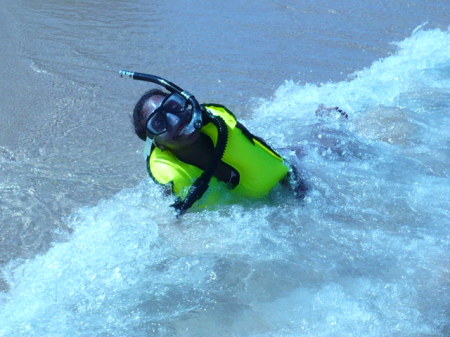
260,168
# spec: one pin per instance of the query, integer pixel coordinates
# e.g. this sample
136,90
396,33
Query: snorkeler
199,149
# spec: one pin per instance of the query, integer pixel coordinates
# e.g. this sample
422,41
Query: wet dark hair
138,120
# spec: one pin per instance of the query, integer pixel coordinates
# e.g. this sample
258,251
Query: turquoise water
366,254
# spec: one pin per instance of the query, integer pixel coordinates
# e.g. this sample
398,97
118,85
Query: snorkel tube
196,121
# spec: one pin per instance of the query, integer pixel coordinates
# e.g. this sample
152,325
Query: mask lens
156,124
175,103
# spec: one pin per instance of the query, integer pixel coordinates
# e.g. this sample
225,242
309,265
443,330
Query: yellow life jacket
260,168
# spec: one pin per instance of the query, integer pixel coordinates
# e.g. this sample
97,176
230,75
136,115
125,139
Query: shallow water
90,248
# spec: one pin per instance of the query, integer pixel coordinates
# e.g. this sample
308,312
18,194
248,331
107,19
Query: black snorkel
197,120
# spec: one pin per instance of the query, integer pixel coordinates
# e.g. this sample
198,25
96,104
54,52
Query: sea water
366,253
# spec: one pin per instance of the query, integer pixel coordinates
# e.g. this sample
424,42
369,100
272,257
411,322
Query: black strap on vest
199,187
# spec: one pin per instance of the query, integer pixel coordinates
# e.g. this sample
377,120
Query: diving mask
173,109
